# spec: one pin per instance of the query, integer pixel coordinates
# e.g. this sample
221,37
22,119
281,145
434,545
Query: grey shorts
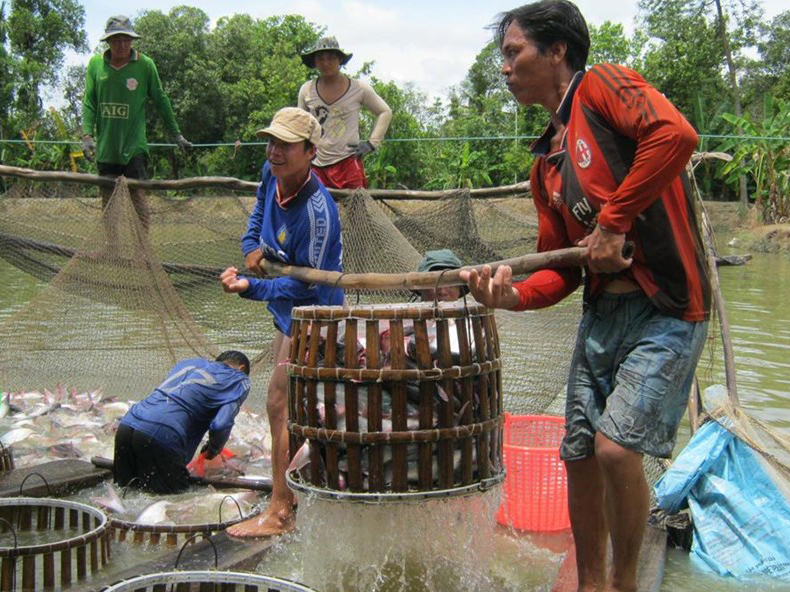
630,376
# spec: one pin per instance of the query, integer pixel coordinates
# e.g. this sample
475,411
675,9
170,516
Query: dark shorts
345,174
142,462
630,376
134,169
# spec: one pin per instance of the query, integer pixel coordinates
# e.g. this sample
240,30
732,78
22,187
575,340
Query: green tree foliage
771,73
481,107
610,44
775,53
6,77
708,119
227,82
178,44
73,91
484,82
398,164
39,32
696,54
684,56
260,71
34,35
764,160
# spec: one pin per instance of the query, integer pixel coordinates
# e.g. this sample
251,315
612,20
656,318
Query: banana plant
708,122
763,155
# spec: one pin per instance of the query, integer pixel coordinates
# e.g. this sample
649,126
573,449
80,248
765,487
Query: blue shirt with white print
198,396
306,233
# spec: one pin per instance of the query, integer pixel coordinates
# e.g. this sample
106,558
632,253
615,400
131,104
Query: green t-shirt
113,108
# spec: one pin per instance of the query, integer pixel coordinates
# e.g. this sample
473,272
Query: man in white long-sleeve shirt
335,100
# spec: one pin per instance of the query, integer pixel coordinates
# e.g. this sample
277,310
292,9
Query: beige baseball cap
291,124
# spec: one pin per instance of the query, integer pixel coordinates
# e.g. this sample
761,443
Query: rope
395,140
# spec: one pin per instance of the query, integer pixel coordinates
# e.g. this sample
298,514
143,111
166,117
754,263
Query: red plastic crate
535,492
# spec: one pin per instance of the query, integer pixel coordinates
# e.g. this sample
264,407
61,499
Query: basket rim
533,417
208,576
90,536
391,311
296,483
129,525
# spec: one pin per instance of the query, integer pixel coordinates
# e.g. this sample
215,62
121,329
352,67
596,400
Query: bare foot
272,522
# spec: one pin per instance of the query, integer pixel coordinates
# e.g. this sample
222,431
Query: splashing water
440,545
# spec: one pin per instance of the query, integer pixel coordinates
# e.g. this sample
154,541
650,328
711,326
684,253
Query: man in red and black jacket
609,168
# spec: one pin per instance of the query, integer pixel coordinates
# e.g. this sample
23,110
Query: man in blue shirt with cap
295,222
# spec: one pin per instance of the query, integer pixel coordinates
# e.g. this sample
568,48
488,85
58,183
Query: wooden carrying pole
519,189
259,484
570,257
86,179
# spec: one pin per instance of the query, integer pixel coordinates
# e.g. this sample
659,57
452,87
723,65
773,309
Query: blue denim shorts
630,376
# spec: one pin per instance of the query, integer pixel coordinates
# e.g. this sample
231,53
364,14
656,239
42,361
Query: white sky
431,43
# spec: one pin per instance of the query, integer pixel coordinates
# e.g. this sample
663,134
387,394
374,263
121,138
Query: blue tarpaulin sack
740,513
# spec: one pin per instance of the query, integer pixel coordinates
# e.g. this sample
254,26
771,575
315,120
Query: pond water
760,330
382,547
759,322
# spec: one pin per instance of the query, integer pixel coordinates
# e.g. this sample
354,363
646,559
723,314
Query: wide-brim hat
119,25
292,124
325,44
441,259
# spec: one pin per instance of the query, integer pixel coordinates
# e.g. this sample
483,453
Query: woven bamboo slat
375,453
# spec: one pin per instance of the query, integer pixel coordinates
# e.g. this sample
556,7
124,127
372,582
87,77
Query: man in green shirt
117,86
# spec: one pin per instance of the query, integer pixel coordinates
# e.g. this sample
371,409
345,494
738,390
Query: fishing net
109,311
762,438
536,345
476,230
720,403
120,305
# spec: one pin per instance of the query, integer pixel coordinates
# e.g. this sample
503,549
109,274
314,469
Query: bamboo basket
168,534
80,543
420,416
198,581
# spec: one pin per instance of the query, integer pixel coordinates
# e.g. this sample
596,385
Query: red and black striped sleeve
664,139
